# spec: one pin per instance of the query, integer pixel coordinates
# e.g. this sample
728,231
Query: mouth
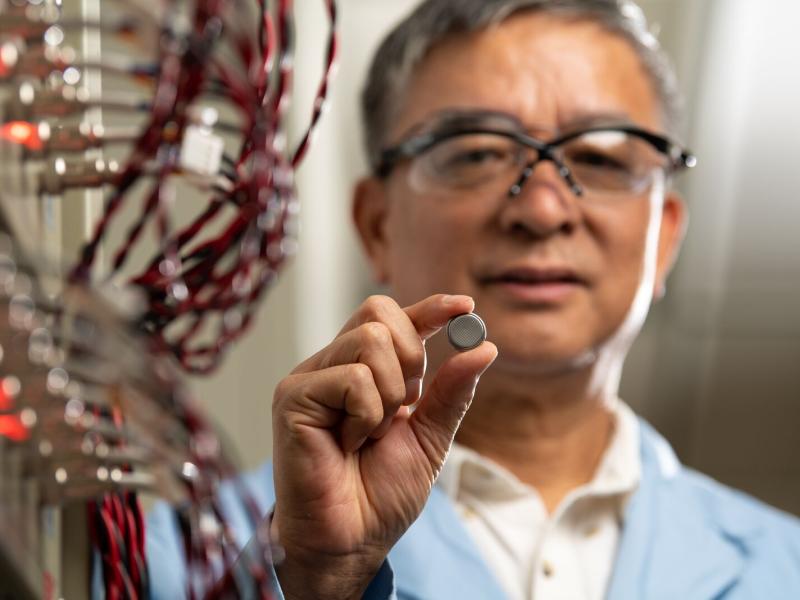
537,285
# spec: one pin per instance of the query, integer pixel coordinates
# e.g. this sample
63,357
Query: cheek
429,249
622,237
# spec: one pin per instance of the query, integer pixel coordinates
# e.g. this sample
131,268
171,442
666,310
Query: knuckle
374,334
283,390
377,305
364,402
282,397
359,375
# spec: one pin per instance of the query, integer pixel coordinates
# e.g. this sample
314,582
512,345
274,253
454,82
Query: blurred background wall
717,368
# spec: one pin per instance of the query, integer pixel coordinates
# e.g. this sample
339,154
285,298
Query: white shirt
535,556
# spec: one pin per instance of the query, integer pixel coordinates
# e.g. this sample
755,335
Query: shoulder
739,513
695,509
698,531
685,489
767,539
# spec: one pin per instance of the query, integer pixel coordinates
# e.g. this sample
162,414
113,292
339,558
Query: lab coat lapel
672,545
436,558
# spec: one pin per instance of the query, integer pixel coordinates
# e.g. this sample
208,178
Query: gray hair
433,20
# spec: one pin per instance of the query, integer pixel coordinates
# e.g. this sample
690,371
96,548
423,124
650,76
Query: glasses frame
678,157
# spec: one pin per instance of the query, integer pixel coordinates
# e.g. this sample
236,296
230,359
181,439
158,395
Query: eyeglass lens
601,162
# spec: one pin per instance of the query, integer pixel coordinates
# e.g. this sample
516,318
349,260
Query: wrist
305,574
323,578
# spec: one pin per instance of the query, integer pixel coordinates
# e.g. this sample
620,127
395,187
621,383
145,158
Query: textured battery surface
466,331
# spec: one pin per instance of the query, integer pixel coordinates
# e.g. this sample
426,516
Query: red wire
263,190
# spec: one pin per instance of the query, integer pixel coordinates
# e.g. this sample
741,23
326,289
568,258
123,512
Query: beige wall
717,368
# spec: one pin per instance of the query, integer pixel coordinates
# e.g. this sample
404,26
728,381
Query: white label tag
201,151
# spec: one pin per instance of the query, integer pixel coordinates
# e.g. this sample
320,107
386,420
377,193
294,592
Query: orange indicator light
12,428
23,133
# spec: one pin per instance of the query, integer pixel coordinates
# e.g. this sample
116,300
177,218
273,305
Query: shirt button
547,568
592,530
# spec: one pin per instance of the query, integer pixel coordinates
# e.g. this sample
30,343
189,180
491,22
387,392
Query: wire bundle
101,418
71,368
202,287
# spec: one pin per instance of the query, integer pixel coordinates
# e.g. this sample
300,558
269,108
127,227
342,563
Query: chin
545,341
548,367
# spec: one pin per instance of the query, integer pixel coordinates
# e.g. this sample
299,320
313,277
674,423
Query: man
521,155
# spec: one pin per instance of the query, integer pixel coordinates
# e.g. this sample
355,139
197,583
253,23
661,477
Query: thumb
447,399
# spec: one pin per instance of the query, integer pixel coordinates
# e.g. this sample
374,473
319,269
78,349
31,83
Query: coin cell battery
466,331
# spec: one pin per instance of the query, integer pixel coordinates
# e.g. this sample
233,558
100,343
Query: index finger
410,327
431,314
424,318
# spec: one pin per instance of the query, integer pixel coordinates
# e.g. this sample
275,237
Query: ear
370,209
674,221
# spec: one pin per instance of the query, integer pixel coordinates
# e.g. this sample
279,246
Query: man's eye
478,156
599,160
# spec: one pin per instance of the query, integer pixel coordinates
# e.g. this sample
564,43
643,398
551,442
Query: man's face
555,276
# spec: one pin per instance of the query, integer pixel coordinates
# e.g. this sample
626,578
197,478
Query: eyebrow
455,118
596,119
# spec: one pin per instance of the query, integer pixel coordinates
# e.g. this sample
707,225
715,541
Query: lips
536,284
535,275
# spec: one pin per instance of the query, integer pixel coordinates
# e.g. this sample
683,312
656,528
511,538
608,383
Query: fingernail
413,390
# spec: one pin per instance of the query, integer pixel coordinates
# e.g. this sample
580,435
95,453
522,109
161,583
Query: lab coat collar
677,542
436,558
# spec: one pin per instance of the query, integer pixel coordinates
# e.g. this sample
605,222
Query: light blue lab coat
685,537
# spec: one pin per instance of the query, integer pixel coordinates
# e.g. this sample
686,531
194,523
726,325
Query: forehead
551,72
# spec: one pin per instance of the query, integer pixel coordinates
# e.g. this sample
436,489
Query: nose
543,204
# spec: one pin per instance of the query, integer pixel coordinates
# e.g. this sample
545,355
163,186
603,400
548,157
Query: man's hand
353,465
